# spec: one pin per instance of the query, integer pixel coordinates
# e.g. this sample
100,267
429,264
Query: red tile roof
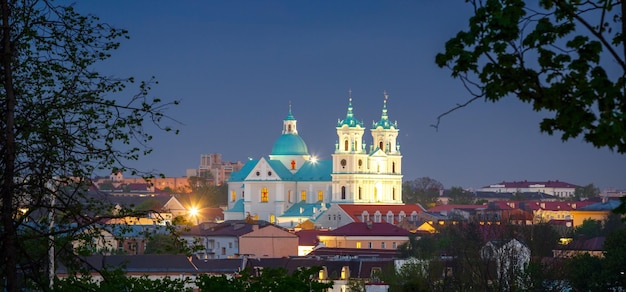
369,229
355,210
450,207
309,237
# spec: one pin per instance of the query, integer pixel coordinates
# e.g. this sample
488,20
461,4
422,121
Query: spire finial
350,94
386,95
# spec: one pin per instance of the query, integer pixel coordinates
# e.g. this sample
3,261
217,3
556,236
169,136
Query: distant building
552,187
214,169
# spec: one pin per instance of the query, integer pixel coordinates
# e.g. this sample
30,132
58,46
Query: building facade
290,186
555,188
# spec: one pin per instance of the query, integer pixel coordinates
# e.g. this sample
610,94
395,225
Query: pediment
263,170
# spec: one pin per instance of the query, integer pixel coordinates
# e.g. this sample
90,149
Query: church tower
385,158
290,148
359,176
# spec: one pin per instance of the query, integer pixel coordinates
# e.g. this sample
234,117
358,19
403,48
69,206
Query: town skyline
237,66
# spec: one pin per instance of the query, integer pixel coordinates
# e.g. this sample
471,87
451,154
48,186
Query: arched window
393,167
272,218
343,193
393,194
345,145
233,196
264,195
289,196
303,196
288,128
380,145
320,196
360,195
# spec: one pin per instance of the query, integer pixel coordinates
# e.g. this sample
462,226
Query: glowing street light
193,211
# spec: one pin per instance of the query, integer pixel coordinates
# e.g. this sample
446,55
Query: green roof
244,171
289,144
315,171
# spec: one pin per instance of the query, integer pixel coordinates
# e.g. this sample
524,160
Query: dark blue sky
236,66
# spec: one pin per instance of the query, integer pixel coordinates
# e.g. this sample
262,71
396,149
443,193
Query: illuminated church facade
290,186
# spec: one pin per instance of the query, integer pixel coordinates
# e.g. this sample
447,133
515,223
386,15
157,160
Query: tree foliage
423,190
586,192
267,279
460,196
564,57
61,121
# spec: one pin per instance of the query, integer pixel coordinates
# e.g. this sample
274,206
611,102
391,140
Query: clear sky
236,66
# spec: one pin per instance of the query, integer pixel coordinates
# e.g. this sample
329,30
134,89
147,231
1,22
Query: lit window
233,196
303,196
320,196
272,218
264,195
345,145
358,244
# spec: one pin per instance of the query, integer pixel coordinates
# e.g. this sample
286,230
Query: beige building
268,242
366,235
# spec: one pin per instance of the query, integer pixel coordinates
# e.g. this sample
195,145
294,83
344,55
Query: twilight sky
236,66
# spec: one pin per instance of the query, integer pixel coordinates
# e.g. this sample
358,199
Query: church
289,186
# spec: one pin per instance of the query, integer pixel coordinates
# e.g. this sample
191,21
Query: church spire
350,120
290,123
384,118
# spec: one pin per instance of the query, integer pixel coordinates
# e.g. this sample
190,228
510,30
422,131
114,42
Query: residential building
290,177
214,169
339,215
596,211
231,239
365,235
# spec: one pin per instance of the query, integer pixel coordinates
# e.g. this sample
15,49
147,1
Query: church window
360,163
289,196
293,164
269,173
343,193
288,128
380,145
393,194
360,196
233,196
320,196
345,145
393,167
375,194
343,163
264,195
243,194
303,196
272,218
258,173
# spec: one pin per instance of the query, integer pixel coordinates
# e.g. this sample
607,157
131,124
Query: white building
290,186
552,187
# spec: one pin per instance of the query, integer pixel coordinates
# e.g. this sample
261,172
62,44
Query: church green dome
289,144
